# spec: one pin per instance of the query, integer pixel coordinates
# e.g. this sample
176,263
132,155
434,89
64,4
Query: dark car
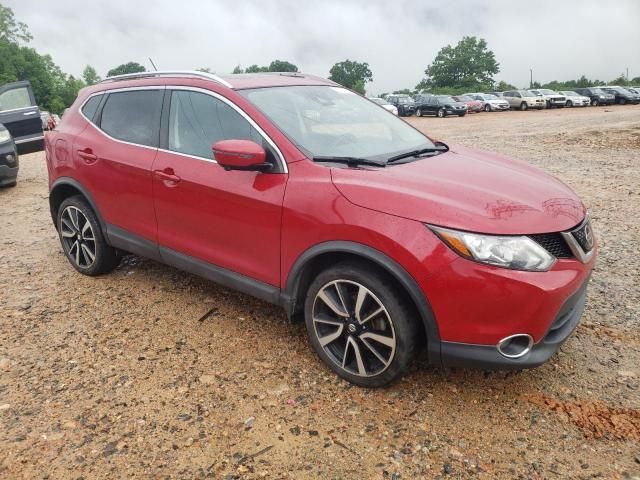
404,103
8,159
21,116
439,105
597,96
622,95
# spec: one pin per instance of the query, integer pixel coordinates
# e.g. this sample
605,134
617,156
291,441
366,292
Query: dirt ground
125,376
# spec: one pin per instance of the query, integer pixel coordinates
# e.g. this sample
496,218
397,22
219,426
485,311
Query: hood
466,189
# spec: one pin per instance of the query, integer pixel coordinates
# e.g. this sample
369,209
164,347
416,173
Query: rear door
19,113
114,155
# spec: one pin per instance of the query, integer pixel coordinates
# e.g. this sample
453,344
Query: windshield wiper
439,148
351,161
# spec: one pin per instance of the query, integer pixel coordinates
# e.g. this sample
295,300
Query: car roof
233,81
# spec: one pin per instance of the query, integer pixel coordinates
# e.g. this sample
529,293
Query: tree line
467,66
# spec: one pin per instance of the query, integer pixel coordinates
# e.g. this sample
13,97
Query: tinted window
198,120
133,116
15,98
90,107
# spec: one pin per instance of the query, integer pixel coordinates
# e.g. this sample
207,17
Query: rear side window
15,98
90,107
198,120
133,116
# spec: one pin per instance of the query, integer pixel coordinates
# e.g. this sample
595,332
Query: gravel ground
150,372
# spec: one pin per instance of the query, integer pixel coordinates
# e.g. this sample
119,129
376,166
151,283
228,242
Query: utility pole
531,80
627,74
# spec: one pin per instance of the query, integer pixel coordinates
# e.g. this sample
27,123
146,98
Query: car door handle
88,156
168,176
29,113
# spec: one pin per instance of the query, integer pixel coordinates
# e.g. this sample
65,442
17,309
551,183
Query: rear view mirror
241,155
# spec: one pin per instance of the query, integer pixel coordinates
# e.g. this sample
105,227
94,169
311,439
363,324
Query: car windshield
597,91
327,121
528,93
405,100
445,98
488,96
379,101
464,98
546,91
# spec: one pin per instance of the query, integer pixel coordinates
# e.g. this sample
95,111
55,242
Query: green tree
359,87
470,65
238,69
256,69
131,67
282,66
503,86
90,76
204,69
351,74
621,80
12,30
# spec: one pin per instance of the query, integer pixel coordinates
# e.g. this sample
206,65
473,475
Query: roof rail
168,73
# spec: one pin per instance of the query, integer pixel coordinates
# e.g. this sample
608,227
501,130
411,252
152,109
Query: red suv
302,193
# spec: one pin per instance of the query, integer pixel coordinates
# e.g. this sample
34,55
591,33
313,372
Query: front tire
419,112
594,102
82,239
441,113
569,103
623,101
524,106
487,108
359,325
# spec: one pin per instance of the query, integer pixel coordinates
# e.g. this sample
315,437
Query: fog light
11,160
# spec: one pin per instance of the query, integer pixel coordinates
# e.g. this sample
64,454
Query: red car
302,193
473,106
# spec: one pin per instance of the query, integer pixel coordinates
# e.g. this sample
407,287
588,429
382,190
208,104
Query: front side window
15,98
198,120
333,121
133,116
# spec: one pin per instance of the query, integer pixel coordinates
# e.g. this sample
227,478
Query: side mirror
241,155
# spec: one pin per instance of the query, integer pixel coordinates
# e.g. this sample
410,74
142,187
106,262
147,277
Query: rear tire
487,108
569,103
594,102
441,113
419,112
524,106
623,101
360,325
82,239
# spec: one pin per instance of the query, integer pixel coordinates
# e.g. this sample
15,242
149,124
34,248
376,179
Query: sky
559,40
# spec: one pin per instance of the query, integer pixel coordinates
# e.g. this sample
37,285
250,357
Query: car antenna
154,65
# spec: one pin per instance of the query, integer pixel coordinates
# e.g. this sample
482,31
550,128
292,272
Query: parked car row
442,105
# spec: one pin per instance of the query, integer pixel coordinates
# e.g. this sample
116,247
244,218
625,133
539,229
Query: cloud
559,40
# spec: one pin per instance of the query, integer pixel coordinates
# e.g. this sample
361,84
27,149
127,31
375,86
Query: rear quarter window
133,116
91,106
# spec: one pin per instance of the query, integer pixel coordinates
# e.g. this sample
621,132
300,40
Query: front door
19,112
230,219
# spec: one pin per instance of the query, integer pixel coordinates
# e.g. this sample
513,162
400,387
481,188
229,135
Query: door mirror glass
240,155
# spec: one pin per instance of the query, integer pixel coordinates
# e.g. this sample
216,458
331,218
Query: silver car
491,103
575,99
384,104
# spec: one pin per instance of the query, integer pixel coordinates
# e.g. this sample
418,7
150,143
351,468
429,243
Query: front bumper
499,106
487,357
8,164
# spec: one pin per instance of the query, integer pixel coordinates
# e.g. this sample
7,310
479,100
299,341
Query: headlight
5,136
514,252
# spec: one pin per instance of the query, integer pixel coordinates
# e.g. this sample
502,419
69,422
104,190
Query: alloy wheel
419,112
441,113
353,328
78,238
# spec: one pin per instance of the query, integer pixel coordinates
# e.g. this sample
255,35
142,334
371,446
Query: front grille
584,236
554,244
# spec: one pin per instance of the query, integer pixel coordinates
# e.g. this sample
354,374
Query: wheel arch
327,253
65,187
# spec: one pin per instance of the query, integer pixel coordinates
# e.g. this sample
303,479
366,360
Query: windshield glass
405,100
546,91
379,101
464,98
445,98
597,91
488,96
327,121
528,93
